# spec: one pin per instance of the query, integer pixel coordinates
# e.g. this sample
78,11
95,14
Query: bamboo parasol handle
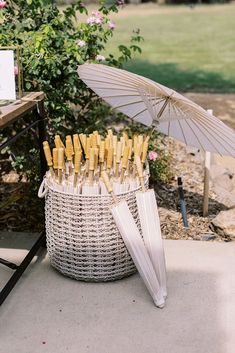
144,151
47,153
140,172
108,185
60,162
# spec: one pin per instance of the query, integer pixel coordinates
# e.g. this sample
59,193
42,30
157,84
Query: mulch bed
187,163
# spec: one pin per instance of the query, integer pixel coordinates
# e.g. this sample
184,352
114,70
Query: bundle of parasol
76,165
93,165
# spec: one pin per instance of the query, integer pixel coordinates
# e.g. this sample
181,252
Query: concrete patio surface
47,312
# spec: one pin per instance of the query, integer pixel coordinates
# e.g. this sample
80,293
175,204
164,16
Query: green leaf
28,85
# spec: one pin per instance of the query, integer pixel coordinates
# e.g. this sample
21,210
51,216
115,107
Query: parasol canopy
153,104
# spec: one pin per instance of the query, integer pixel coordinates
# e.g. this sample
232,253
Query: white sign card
7,75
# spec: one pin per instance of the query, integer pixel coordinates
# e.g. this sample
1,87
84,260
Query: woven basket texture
83,241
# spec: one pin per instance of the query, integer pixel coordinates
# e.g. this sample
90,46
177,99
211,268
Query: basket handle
43,189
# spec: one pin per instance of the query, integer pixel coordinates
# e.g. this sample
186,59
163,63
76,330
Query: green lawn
183,48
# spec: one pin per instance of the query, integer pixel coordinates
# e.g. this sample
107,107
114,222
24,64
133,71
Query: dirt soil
19,211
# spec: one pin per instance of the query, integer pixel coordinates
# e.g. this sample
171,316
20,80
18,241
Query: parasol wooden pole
48,156
101,155
91,166
139,168
206,184
108,185
96,149
76,143
206,179
144,152
129,144
83,139
55,160
109,160
77,165
58,142
60,163
114,151
124,163
118,158
69,152
87,151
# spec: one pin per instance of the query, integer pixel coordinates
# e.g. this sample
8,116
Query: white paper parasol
135,245
153,104
151,231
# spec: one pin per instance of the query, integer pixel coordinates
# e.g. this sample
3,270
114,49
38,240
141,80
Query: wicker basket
83,241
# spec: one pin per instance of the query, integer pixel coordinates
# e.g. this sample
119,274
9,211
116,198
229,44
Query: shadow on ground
170,74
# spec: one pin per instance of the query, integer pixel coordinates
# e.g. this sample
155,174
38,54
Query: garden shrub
53,44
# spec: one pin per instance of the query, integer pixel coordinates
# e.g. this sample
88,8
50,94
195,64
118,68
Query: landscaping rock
224,223
223,180
208,237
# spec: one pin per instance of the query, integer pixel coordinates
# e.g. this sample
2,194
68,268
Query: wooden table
32,102
12,112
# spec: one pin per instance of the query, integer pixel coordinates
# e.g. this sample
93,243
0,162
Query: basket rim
99,196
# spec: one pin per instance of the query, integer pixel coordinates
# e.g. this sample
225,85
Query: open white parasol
153,104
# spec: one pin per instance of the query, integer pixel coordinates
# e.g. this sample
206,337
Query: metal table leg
41,241
21,268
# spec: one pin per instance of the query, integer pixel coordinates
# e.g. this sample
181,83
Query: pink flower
16,71
2,4
111,25
91,20
98,20
81,43
100,58
153,156
96,13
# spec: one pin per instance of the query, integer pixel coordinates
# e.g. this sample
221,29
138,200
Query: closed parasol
135,245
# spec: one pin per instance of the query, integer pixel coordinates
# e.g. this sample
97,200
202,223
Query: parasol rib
185,141
222,131
134,78
184,137
194,134
199,128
